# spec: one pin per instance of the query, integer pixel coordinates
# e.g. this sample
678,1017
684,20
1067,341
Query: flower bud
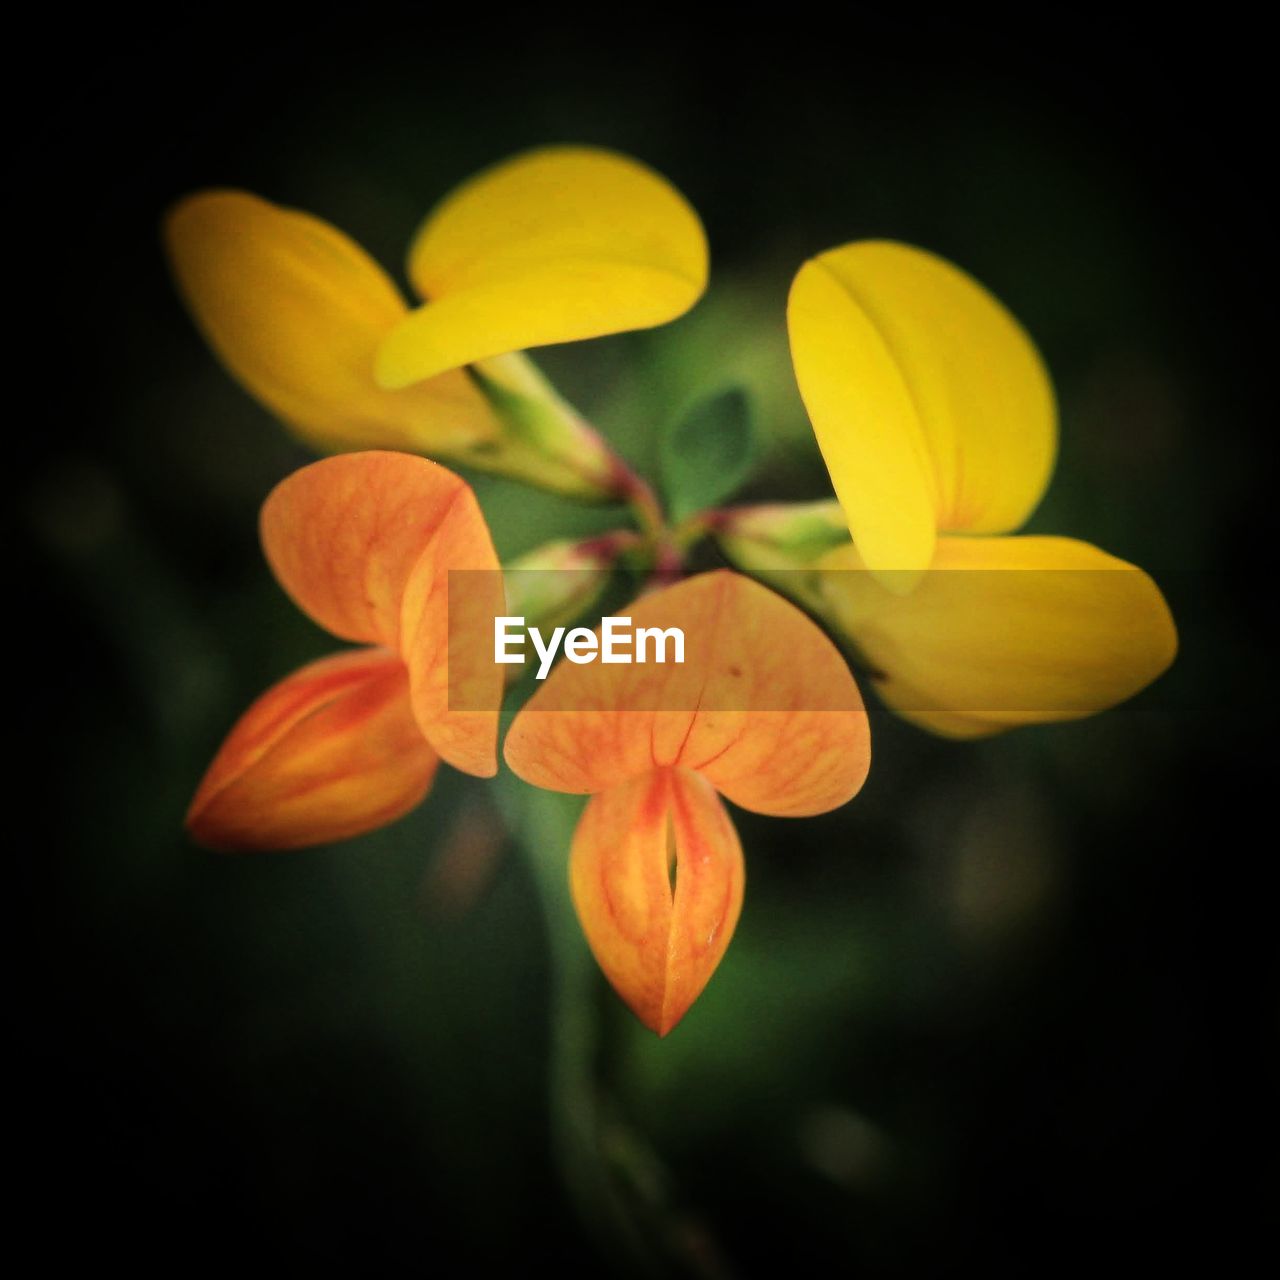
544,442
558,582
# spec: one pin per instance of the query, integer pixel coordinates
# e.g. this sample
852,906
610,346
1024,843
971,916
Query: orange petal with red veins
364,544
343,536
446,634
330,752
657,877
763,707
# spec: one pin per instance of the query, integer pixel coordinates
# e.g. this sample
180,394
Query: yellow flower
551,246
936,418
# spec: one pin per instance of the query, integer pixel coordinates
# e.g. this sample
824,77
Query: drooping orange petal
709,882
330,752
657,878
364,544
764,706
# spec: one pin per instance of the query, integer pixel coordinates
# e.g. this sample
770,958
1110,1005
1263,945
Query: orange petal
343,536
330,752
763,707
657,877
447,639
364,544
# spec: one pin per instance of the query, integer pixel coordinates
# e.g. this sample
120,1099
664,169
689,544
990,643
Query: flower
763,711
554,245
364,544
936,419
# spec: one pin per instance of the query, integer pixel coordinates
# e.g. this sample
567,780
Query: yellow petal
296,310
930,403
330,752
552,246
1005,631
364,544
763,706
657,878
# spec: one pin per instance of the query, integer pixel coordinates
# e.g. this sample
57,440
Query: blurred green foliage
708,452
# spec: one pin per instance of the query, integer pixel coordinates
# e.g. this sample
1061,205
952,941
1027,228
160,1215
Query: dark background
1003,1011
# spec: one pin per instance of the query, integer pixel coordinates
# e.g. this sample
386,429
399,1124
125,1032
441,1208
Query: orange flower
762,711
363,543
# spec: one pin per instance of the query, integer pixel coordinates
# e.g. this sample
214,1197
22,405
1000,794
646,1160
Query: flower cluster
931,408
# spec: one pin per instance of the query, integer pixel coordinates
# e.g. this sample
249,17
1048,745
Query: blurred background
1001,1011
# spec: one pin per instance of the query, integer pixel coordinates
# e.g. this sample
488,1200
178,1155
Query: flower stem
545,827
639,495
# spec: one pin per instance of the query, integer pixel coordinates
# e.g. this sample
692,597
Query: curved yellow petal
296,310
1005,631
763,706
330,752
552,246
865,422
657,878
364,544
931,405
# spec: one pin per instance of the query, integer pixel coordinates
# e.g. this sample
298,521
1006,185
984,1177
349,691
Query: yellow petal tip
555,245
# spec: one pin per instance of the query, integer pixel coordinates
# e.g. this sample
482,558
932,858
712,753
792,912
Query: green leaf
708,453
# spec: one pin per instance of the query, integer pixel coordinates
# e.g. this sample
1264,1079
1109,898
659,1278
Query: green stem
643,501
545,442
546,828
